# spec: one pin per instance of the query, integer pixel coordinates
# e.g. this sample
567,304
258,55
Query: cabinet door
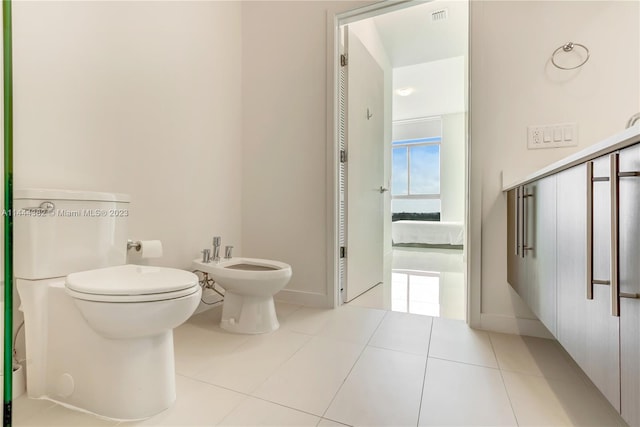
586,328
602,329
629,276
515,259
531,243
571,261
540,255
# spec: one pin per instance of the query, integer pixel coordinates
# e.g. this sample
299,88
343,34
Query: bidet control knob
227,251
216,248
206,255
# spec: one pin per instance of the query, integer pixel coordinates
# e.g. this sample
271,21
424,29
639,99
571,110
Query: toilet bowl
249,285
132,301
98,332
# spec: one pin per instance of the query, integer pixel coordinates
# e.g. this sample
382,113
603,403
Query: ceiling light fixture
405,91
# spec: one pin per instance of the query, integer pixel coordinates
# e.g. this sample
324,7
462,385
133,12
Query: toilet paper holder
134,244
146,248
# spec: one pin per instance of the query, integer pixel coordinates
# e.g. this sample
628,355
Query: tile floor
361,367
423,281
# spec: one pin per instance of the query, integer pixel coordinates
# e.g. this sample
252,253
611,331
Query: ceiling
428,56
410,36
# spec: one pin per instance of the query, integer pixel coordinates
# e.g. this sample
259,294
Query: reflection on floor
423,281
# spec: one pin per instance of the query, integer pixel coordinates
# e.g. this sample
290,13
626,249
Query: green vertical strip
8,209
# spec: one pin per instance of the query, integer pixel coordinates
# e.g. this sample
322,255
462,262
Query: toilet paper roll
150,248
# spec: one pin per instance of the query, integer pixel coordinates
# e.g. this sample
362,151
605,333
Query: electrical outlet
552,136
536,135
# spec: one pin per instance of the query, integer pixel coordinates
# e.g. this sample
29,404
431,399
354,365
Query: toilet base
248,314
69,363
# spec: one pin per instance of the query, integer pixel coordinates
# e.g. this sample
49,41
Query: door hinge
343,252
343,60
343,156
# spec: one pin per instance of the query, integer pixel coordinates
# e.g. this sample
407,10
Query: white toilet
249,285
99,334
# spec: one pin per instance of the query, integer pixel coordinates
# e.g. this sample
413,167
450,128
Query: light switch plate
552,136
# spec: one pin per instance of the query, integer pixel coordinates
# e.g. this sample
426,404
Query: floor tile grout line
249,395
412,353
334,421
206,365
424,376
504,384
285,406
310,338
464,363
355,363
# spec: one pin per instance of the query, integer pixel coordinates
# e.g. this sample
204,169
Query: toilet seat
131,283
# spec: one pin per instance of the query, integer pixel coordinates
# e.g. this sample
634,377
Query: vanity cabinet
574,258
532,247
629,281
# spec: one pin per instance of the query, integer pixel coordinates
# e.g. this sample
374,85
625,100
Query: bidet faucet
206,256
216,248
227,252
632,121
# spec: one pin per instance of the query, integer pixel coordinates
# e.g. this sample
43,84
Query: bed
431,233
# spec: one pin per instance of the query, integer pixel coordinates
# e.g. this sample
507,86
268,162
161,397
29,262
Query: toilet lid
131,280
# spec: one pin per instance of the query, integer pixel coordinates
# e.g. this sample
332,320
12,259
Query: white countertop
616,142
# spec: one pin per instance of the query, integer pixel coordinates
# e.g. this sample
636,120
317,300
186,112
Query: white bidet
249,285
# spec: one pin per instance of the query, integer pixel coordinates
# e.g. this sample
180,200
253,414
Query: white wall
452,167
141,98
514,85
285,86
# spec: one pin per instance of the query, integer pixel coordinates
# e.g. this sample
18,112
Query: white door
364,168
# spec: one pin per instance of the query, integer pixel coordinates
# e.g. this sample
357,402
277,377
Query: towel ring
568,48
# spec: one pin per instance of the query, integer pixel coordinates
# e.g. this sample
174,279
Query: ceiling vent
439,15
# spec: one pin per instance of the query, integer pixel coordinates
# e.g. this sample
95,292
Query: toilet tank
58,232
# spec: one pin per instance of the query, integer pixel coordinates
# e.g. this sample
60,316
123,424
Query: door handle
382,189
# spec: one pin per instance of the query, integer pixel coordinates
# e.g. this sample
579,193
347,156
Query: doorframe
472,251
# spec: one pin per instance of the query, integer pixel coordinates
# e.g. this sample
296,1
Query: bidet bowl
248,276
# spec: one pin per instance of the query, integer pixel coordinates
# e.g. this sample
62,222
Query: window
415,170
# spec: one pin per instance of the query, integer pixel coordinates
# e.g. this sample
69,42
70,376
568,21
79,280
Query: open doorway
422,51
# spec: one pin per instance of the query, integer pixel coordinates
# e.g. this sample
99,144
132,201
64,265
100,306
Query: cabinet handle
525,223
615,233
590,280
517,221
589,230
521,221
631,296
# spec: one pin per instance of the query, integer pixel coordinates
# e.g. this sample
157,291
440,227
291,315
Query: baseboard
310,299
513,325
